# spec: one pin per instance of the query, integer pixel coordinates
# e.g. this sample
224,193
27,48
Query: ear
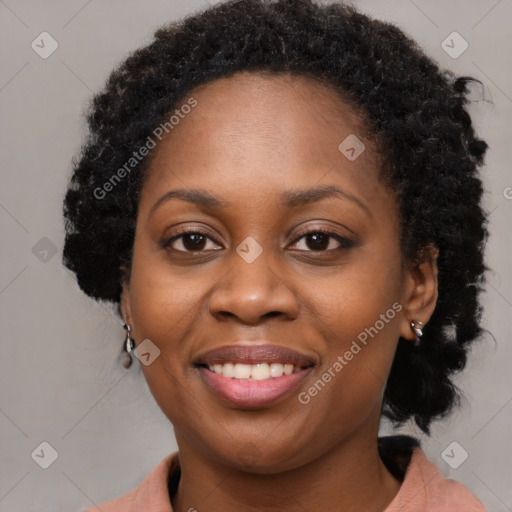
125,303
421,291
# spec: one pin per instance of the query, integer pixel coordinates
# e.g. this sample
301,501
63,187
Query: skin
250,139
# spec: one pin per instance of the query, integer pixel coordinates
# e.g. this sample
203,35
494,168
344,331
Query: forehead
265,131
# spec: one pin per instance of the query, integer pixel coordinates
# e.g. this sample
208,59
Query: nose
251,292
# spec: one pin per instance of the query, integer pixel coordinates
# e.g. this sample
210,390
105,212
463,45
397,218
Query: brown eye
322,241
188,241
317,241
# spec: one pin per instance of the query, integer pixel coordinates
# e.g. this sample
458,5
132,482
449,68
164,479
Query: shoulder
424,489
151,494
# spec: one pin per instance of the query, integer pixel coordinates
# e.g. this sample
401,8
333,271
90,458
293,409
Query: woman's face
265,151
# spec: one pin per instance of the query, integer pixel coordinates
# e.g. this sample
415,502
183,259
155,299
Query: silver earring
416,327
128,346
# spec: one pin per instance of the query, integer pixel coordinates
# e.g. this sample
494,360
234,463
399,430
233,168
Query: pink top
424,489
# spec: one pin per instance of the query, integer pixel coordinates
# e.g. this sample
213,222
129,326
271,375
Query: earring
416,326
128,346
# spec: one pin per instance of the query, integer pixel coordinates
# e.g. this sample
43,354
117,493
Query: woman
278,195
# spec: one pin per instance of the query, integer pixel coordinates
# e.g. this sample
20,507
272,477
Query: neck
349,477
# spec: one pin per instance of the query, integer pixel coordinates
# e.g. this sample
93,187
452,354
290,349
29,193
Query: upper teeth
259,371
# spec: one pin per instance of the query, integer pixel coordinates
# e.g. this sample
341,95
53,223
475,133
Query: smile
247,392
252,375
258,371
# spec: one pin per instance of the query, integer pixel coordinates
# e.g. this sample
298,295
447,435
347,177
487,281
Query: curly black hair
415,112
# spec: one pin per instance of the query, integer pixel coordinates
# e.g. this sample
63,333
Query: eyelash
345,243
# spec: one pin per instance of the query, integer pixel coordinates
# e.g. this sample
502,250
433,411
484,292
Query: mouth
252,376
252,372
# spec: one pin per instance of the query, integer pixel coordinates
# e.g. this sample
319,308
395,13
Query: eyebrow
289,199
294,198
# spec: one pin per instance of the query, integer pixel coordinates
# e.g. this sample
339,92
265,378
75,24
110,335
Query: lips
254,354
243,390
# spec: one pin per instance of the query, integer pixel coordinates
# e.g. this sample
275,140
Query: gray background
60,378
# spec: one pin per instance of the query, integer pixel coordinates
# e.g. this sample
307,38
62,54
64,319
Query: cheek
354,298
163,299
357,313
165,306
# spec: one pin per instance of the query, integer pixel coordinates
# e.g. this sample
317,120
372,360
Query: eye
190,240
320,240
